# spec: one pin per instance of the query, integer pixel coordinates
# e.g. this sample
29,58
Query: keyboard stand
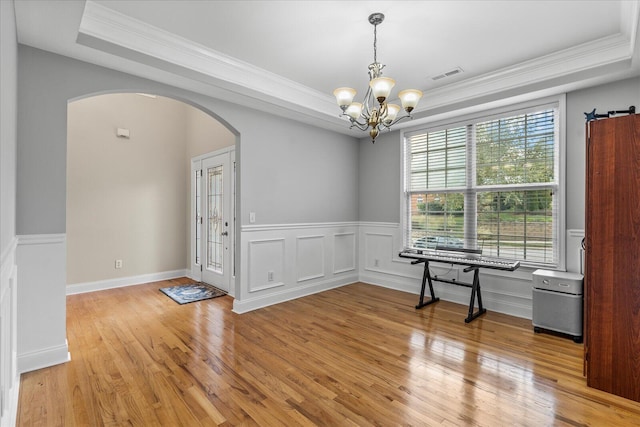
426,278
475,289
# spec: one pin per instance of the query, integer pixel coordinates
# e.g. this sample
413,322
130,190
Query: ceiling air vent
449,73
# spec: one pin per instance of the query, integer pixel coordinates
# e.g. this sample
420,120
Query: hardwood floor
357,355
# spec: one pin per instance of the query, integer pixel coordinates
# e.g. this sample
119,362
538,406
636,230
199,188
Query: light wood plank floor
357,355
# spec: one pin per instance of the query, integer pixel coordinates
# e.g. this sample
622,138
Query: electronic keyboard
460,257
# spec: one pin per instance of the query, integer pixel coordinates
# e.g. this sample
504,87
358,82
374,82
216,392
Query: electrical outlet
252,217
118,263
270,276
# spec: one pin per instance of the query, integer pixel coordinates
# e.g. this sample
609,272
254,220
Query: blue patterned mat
191,292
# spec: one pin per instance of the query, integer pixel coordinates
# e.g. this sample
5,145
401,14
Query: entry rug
191,292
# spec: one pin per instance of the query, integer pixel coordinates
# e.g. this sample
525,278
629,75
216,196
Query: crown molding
105,24
608,51
108,30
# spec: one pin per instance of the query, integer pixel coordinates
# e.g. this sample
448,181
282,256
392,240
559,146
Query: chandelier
374,112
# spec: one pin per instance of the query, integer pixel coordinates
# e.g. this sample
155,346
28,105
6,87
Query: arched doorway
129,193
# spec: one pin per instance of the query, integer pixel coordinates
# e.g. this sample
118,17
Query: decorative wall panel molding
378,251
344,254
266,264
290,261
310,257
366,252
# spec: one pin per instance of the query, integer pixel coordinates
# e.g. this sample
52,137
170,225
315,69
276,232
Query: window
489,183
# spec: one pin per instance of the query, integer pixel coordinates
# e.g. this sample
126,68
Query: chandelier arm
367,102
361,126
355,123
398,119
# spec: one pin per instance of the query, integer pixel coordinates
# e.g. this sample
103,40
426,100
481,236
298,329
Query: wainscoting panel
42,323
378,251
289,261
294,257
266,264
310,257
9,378
344,254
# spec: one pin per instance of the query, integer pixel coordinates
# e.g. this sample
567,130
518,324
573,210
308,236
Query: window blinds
490,183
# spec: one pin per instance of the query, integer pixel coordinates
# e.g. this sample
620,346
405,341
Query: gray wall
8,102
295,173
609,97
380,178
380,163
289,172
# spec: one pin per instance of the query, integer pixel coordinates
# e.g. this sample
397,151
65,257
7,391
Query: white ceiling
286,57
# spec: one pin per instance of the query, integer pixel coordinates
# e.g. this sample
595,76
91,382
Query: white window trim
488,114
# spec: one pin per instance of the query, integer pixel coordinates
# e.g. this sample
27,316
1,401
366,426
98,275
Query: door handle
225,233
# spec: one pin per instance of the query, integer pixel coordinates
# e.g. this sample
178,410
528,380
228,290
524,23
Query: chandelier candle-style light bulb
344,96
374,114
381,88
392,113
409,99
354,110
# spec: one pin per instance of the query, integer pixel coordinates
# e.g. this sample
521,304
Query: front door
212,197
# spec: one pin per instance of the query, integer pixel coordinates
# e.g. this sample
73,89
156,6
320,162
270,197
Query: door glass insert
215,226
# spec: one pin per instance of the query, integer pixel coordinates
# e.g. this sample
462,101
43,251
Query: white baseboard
101,285
44,358
251,304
